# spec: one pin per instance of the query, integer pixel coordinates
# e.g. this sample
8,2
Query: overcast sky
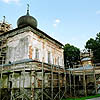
68,21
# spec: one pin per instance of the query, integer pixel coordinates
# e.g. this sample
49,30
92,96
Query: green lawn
83,98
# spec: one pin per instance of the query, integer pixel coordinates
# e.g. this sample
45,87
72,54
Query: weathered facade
29,44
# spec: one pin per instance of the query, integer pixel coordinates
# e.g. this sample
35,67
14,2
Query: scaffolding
3,48
39,93
54,82
59,85
82,81
4,26
54,89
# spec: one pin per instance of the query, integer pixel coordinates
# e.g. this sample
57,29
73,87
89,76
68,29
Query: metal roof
86,59
87,67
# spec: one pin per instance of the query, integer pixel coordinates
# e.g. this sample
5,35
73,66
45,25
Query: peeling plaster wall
22,80
24,45
44,46
18,48
26,79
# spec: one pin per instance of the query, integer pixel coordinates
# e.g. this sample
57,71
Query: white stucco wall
18,47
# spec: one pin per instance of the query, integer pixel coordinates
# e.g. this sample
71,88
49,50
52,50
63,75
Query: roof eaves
32,28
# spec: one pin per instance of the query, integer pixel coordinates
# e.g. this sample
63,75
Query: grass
83,98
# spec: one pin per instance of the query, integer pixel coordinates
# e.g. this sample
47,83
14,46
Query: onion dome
27,20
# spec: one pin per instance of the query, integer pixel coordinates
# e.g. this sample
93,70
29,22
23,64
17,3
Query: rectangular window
36,53
58,60
49,58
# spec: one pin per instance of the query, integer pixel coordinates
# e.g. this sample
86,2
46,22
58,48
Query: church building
31,62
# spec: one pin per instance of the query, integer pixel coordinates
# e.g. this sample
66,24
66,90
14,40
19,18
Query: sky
68,21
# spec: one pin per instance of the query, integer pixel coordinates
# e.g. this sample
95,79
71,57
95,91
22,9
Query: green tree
94,45
71,55
91,44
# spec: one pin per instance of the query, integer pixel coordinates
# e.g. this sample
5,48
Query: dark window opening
49,58
37,54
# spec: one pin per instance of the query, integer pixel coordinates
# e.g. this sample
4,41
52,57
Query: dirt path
98,98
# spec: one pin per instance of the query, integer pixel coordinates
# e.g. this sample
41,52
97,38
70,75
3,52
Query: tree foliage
71,55
94,45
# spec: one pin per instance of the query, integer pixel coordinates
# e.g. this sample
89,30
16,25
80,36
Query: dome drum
27,20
